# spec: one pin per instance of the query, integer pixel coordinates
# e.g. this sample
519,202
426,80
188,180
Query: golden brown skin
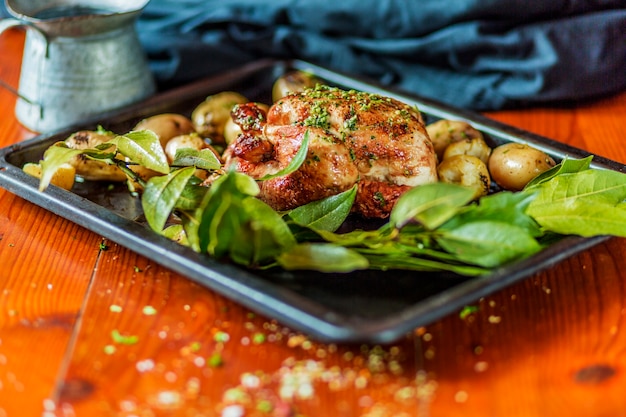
355,137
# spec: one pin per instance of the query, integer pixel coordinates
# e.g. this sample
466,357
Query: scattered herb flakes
258,338
109,349
221,337
103,246
123,339
137,269
149,311
114,308
195,346
265,406
215,360
467,311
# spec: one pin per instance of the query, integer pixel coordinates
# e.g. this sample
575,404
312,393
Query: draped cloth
479,54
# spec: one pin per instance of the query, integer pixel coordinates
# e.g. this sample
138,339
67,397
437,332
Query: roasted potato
444,132
513,165
63,177
210,116
166,126
193,141
465,170
471,146
90,169
292,82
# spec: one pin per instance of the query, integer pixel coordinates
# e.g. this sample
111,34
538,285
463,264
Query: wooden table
552,345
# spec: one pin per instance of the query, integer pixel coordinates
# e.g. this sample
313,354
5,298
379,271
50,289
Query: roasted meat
359,138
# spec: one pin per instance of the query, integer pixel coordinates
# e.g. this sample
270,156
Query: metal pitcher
81,58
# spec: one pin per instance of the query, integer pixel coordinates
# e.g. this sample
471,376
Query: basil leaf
587,203
430,204
326,214
143,148
53,158
488,243
161,194
204,159
322,258
295,162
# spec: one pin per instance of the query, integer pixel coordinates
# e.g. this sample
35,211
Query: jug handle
6,24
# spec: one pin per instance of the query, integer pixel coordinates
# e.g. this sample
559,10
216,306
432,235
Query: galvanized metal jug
81,58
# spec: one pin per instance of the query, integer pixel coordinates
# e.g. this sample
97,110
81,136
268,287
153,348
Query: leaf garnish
295,162
326,214
161,195
143,148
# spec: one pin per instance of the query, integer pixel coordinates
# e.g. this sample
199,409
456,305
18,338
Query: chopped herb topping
380,198
122,339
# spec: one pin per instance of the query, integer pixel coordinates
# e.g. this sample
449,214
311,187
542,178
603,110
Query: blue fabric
480,54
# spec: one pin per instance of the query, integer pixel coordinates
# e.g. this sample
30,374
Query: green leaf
505,206
191,197
567,166
326,214
204,159
161,194
322,258
176,232
143,148
385,262
223,213
54,157
295,162
430,204
488,243
586,203
262,236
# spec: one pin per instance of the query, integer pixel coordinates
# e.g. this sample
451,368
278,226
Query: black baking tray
363,306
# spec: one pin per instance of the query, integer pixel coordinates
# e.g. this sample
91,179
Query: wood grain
89,328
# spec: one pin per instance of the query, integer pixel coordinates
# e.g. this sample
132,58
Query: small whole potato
444,132
292,82
465,170
193,141
513,165
210,116
471,146
166,126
